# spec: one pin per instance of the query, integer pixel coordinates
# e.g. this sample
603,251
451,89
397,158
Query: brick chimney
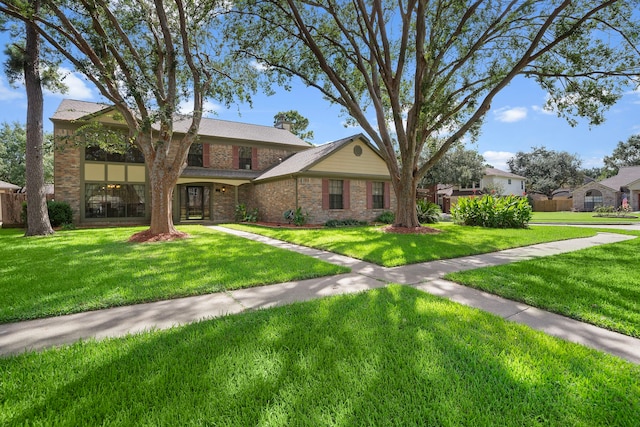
283,124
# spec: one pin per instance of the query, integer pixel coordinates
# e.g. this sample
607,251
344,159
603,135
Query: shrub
335,223
493,212
242,214
428,212
386,217
296,216
60,213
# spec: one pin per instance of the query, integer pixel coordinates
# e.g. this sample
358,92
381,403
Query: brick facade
66,174
610,197
275,197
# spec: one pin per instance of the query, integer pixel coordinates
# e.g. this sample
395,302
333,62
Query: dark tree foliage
625,154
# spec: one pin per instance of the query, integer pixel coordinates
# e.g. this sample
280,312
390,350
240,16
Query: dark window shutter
236,158
325,194
254,158
206,162
346,194
369,195
387,195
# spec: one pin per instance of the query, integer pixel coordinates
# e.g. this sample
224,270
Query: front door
195,202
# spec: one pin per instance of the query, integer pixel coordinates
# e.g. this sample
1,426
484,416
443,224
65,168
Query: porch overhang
220,176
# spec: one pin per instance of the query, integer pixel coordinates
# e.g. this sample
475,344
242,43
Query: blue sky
516,121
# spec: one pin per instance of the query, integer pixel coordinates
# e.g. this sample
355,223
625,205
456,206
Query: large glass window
244,157
111,200
335,194
97,154
592,199
377,195
195,155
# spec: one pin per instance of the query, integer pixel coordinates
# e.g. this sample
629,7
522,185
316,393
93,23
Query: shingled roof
304,160
8,186
499,172
625,176
70,110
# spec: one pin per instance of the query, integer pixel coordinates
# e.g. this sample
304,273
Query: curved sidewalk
119,321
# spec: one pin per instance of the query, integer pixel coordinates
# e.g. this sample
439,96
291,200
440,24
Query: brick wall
67,175
609,197
221,156
273,198
224,204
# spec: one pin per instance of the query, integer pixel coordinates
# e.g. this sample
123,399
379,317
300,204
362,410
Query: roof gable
319,160
502,174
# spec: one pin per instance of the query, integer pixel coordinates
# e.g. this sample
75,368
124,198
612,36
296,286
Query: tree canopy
416,74
146,57
298,122
625,154
13,139
458,166
547,170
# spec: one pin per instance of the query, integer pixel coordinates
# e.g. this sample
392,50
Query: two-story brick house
232,163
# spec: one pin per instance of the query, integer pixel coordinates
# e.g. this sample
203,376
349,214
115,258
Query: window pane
335,194
195,155
94,201
114,200
377,195
95,154
244,157
134,155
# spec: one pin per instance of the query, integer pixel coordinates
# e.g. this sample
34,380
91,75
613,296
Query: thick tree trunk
37,215
161,202
406,215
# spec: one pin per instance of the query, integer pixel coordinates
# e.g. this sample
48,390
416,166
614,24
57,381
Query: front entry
195,202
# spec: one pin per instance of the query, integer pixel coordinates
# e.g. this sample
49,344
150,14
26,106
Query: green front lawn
580,218
393,356
80,270
390,250
598,285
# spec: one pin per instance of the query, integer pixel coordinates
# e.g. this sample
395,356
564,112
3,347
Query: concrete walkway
43,333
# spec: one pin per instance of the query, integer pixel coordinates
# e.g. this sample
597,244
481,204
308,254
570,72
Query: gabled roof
70,110
501,173
8,186
304,160
626,176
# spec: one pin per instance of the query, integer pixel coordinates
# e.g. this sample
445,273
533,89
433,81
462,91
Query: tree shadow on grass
391,356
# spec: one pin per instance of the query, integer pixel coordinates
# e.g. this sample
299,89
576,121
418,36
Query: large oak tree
417,73
146,57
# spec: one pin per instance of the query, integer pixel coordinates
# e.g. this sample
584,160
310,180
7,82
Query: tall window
194,157
244,157
335,194
592,199
377,195
112,200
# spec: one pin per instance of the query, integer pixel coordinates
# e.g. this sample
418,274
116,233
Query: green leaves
493,212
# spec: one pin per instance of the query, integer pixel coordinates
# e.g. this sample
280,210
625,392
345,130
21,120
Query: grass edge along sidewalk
388,355
81,270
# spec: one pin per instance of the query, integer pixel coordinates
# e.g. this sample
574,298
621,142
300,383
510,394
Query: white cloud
7,93
259,66
77,87
209,110
543,110
593,162
498,159
510,115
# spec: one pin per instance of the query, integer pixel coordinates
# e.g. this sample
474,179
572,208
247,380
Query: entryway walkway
119,321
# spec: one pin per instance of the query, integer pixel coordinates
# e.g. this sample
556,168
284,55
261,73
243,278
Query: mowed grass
598,285
390,250
580,218
80,270
393,356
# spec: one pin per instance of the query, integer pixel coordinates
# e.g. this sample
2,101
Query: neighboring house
232,163
505,183
610,192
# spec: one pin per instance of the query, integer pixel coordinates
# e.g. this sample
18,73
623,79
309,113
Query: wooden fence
559,205
11,209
